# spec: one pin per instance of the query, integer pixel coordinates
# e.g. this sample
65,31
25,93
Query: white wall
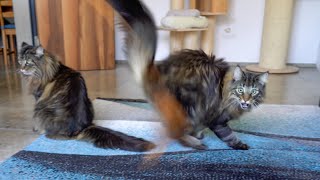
245,20
305,38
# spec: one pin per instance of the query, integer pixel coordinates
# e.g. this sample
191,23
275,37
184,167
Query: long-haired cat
191,80
63,109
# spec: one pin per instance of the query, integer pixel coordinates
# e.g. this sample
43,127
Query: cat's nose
246,97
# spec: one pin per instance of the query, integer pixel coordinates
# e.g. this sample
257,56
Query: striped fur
192,80
63,109
141,41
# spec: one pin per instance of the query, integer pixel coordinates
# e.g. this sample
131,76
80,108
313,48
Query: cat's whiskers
256,105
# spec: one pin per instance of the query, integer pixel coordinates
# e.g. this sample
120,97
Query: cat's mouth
26,73
245,106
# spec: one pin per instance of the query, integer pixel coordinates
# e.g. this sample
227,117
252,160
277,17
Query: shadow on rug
284,140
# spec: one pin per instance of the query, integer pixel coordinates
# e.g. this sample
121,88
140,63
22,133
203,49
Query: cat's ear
237,74
39,51
263,78
23,44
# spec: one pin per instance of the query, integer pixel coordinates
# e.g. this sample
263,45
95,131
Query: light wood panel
79,32
212,6
192,4
219,6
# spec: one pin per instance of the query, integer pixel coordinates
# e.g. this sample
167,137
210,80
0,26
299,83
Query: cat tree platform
201,37
286,70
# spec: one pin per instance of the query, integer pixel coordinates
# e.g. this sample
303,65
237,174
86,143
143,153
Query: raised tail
141,44
141,36
106,138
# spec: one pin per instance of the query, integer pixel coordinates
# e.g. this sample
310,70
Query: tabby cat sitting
196,80
62,108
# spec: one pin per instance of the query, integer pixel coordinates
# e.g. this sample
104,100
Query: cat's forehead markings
247,89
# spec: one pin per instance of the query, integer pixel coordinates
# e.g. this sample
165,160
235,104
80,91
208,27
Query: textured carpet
284,140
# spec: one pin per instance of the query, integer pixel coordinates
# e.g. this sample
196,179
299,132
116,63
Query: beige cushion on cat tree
192,37
180,37
184,12
182,22
275,38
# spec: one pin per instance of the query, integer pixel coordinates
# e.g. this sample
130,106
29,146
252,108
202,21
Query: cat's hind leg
190,141
199,135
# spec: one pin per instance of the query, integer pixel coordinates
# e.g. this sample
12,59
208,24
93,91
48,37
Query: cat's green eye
28,64
254,91
240,90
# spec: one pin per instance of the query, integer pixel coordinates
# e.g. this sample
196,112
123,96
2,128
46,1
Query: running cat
196,88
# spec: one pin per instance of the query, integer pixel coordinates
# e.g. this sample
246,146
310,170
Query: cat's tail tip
106,138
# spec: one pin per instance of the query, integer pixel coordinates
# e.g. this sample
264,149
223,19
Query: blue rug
284,141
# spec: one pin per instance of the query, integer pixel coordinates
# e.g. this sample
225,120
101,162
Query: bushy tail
141,37
107,138
141,43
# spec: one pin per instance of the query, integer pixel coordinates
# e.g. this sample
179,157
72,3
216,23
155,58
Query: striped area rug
284,141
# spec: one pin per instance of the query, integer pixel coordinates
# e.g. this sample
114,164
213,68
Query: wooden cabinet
79,32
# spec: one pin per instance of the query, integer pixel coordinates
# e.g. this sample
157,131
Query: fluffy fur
198,92
63,109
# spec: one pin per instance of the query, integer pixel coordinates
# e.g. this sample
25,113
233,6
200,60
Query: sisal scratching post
177,4
275,38
176,38
191,40
176,41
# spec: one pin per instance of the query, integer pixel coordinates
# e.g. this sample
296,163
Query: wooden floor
16,105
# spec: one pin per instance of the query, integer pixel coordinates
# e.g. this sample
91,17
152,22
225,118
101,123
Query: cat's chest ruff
47,91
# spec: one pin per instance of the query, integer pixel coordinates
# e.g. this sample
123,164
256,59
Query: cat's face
248,89
29,59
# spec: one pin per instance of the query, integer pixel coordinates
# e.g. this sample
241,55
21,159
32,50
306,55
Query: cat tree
275,38
210,9
196,38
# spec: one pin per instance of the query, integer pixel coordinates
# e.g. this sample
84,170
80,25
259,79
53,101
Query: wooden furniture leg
12,48
5,48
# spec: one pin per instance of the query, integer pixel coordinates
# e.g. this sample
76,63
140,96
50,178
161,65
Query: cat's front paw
35,129
240,146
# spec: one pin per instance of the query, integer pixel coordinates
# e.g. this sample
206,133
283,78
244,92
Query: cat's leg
198,133
225,133
190,141
221,128
37,130
58,137
36,127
